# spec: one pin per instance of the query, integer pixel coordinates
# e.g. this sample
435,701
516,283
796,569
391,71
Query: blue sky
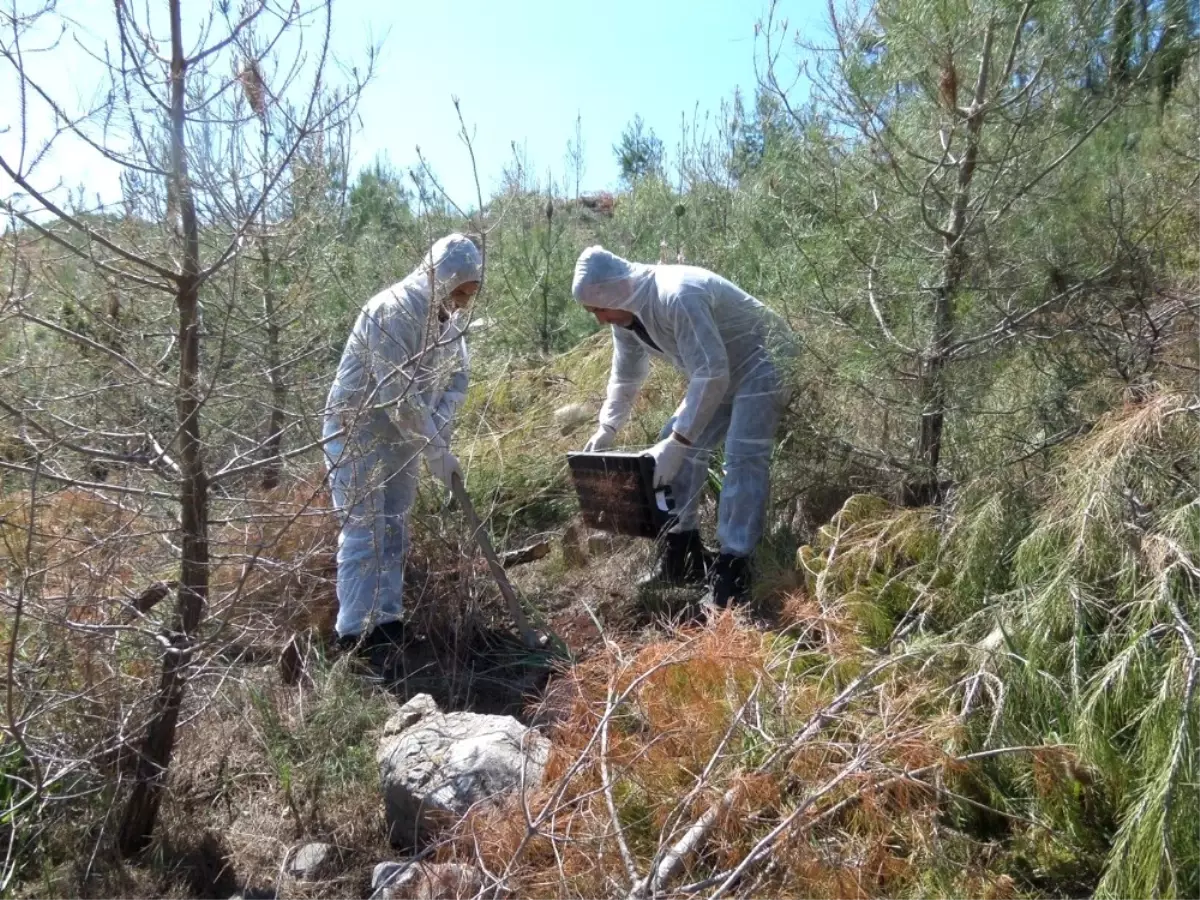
522,70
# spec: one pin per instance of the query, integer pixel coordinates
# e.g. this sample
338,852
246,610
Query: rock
532,553
435,766
574,546
419,707
413,880
312,861
388,874
599,544
571,416
482,323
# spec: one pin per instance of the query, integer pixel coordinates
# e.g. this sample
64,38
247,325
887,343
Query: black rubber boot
682,559
381,648
730,581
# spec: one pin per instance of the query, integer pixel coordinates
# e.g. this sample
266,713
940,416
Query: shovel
531,639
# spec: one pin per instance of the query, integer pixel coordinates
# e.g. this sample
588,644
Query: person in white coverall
730,347
402,377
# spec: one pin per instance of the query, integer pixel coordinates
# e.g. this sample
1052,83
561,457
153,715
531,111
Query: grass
1075,618
1106,606
85,663
657,736
1040,813
996,699
514,451
325,749
260,769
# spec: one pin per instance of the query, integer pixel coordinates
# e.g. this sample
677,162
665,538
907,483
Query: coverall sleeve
395,340
456,387
630,366
702,352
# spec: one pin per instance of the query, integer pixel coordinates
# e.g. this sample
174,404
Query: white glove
668,456
444,465
603,439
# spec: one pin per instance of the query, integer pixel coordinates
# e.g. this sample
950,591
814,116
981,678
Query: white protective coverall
401,378
730,348
453,363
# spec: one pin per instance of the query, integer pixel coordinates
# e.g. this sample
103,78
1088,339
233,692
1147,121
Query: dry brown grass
74,554
275,567
88,594
813,783
268,770
809,764
260,769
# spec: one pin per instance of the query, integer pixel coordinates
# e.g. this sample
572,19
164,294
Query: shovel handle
528,636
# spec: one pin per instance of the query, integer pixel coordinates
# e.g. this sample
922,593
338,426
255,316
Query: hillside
969,663
965,701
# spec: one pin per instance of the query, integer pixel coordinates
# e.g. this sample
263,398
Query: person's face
611,316
460,297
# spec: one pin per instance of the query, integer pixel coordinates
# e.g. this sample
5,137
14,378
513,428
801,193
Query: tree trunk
546,250
274,439
274,442
932,390
1120,66
137,824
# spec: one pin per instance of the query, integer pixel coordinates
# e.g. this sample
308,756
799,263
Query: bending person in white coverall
730,347
401,379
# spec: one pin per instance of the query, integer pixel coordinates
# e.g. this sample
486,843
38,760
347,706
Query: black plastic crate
616,493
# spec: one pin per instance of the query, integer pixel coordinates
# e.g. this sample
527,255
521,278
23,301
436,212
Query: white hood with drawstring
707,327
395,355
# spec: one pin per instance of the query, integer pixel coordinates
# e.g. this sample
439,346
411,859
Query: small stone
311,861
392,874
414,880
571,416
574,546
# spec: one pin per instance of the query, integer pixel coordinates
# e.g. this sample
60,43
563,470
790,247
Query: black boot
381,649
730,581
682,559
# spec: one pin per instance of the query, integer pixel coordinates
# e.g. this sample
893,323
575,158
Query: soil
228,825
478,668
464,652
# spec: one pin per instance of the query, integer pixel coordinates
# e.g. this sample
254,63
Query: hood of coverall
606,281
453,260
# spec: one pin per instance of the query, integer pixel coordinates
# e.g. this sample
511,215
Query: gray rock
575,546
412,880
435,766
599,544
312,861
391,874
571,416
412,712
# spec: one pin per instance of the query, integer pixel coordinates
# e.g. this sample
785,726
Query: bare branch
91,233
